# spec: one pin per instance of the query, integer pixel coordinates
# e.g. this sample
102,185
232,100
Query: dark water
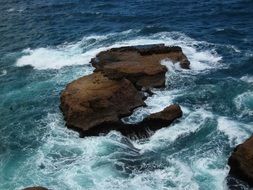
46,44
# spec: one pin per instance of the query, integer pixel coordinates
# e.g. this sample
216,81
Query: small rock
35,188
164,117
153,122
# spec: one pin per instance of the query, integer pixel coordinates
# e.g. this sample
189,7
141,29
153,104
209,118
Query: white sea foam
235,131
215,176
244,103
200,59
65,157
47,58
235,48
178,175
247,78
172,67
155,103
191,122
65,161
200,165
81,52
73,163
3,73
219,29
11,10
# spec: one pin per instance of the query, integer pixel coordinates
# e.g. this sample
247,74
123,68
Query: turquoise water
46,44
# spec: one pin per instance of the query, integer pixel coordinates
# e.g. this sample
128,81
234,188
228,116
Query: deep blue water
44,44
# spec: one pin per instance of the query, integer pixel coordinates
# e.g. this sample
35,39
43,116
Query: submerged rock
96,103
139,64
241,162
35,188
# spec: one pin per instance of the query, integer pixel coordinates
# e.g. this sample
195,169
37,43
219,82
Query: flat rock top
93,86
139,64
94,99
141,57
131,62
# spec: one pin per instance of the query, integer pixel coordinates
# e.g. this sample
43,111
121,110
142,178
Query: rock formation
96,103
94,100
241,162
153,122
164,117
139,64
35,188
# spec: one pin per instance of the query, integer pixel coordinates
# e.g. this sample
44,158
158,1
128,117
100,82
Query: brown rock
164,117
95,100
241,162
153,122
95,103
139,64
35,188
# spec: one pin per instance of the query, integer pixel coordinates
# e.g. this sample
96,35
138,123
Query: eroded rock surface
94,100
142,129
96,103
139,64
153,122
241,162
164,117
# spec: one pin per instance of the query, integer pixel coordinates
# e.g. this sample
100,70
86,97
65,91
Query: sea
45,44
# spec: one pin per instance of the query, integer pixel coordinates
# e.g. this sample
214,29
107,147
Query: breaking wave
80,53
244,103
3,73
185,160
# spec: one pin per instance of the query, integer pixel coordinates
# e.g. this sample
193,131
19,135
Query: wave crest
202,55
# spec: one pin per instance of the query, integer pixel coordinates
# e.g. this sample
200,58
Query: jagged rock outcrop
241,162
96,103
139,64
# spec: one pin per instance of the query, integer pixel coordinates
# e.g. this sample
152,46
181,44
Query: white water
81,52
247,78
244,103
235,131
3,73
90,163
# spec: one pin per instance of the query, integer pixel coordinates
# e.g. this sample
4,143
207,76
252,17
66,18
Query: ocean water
45,44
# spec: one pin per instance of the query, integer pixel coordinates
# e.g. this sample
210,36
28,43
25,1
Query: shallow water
46,44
